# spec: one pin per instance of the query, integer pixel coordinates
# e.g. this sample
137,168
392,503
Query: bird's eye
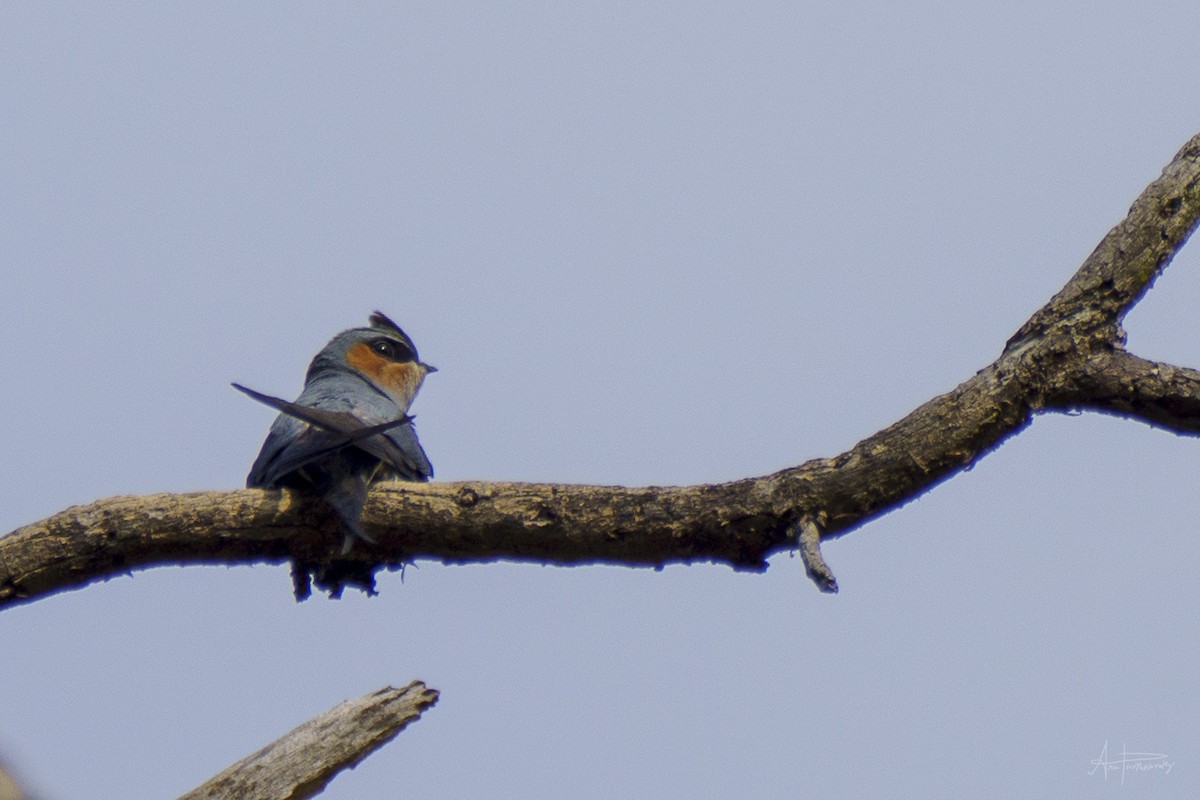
392,350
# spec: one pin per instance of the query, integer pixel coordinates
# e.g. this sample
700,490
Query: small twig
809,537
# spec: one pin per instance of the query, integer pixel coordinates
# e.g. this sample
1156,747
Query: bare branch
303,761
1128,259
1120,383
1068,355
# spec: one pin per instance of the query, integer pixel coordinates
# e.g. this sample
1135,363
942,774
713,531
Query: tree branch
1120,383
1124,265
1068,355
303,761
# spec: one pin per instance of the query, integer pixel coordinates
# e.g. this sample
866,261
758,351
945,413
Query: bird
350,427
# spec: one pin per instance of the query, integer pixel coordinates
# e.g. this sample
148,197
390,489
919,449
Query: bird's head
383,354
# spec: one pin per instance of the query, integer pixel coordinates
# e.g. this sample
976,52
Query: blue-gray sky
646,244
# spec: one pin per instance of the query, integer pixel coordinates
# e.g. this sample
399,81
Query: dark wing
405,438
290,445
350,429
285,450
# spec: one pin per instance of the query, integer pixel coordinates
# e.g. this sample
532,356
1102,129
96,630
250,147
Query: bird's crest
382,322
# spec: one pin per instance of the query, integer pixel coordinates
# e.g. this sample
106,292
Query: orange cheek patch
367,361
401,378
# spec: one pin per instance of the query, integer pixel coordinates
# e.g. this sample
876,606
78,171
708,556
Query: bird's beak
428,368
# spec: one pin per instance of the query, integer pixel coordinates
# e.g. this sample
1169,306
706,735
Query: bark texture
1069,355
301,763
